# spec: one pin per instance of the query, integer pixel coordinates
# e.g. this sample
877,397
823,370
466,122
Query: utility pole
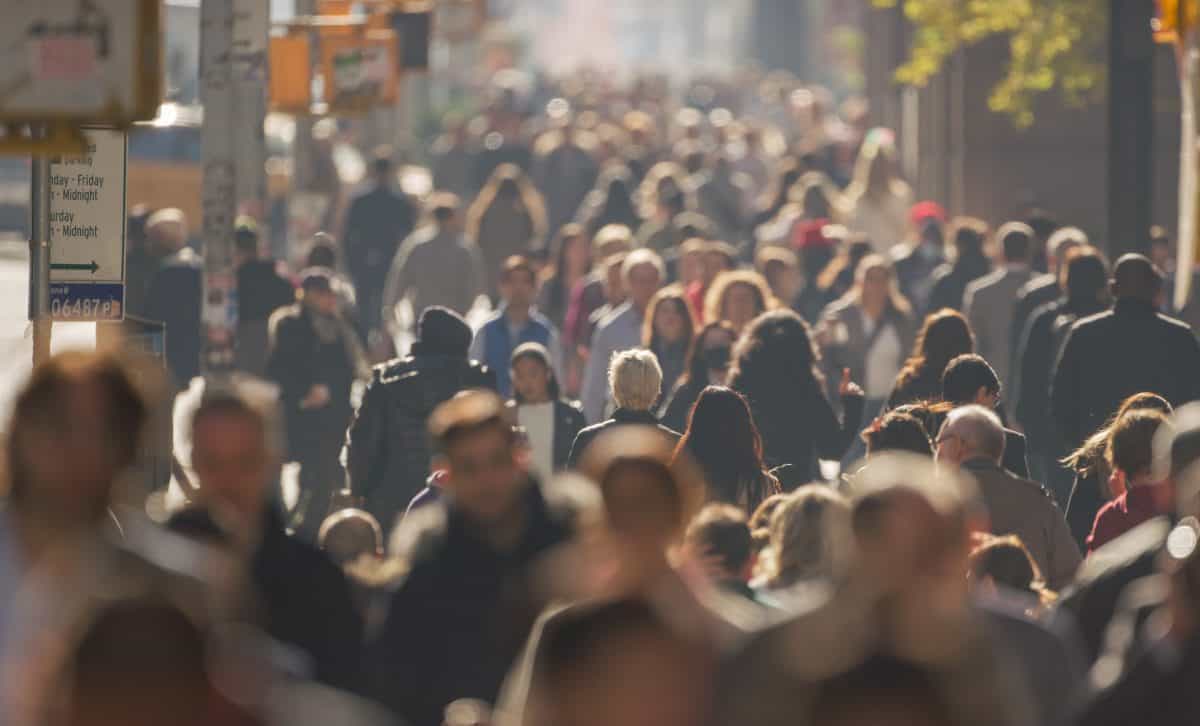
218,94
1130,124
39,259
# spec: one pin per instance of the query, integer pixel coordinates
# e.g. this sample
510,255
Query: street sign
87,230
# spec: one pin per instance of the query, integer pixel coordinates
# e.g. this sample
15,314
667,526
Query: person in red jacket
1141,495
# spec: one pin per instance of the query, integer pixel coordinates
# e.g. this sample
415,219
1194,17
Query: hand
848,388
318,396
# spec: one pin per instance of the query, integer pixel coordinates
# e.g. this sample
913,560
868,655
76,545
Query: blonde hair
643,256
635,379
810,537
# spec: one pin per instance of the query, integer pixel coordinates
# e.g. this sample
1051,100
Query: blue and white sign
87,230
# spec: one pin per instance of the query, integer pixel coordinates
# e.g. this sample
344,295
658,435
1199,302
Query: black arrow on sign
91,266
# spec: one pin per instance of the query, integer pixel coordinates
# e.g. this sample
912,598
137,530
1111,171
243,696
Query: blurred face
669,323
72,456
484,477
519,288
531,380
232,463
691,267
643,283
640,512
716,348
876,284
323,301
741,305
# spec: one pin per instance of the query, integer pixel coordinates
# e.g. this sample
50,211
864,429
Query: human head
1136,278
720,531
813,192
944,336
723,439
572,251
533,374
642,272
1015,240
518,282
875,283
477,447
322,252
781,268
167,230
348,534
245,238
969,236
809,537
614,280
1062,242
691,260
635,379
1086,275
612,239
969,379
441,331
777,348
719,257
316,287
1005,561
896,431
712,349
236,450
738,297
668,319
1130,450
444,208
76,426
971,432
381,165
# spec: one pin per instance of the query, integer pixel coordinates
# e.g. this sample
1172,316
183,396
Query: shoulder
1177,327
390,370
987,281
421,535
568,408
286,319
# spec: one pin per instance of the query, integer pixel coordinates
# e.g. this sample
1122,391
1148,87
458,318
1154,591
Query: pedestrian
916,263
988,302
507,218
1002,568
565,171
722,439
387,448
722,195
869,330
261,291
780,267
236,451
611,202
1047,288
571,263
878,199
707,365
378,219
776,367
459,619
810,542
970,263
453,158
973,439
551,422
738,297
642,272
668,332
437,265
175,293
969,380
1141,494
944,336
315,358
1085,294
897,431
720,536
516,322
601,287
322,252
1142,351
1091,469
635,383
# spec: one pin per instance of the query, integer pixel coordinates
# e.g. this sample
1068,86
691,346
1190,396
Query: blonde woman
878,199
809,541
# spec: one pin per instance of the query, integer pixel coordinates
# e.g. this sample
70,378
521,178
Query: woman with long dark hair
945,335
611,202
721,437
571,250
707,365
668,331
776,367
507,218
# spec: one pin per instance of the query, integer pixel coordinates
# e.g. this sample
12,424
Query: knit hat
441,330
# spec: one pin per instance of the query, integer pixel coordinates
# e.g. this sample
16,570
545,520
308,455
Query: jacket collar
1132,306
980,463
629,416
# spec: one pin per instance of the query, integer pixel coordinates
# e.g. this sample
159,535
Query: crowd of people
745,433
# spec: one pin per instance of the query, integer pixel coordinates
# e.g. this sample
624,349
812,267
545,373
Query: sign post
86,230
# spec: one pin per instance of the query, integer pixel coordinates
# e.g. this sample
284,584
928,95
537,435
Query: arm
364,440
595,377
833,437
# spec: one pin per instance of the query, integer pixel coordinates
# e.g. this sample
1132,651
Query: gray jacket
988,304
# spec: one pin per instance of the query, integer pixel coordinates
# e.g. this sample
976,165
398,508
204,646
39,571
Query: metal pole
39,258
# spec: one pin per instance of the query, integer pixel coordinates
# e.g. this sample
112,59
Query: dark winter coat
387,445
620,417
174,298
1108,357
568,422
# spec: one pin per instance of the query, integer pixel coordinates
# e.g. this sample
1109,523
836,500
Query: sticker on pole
87,230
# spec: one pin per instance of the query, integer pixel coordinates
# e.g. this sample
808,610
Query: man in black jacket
304,597
1131,349
459,620
968,379
387,447
377,220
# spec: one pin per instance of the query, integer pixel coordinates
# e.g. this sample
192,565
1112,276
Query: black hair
965,375
721,530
